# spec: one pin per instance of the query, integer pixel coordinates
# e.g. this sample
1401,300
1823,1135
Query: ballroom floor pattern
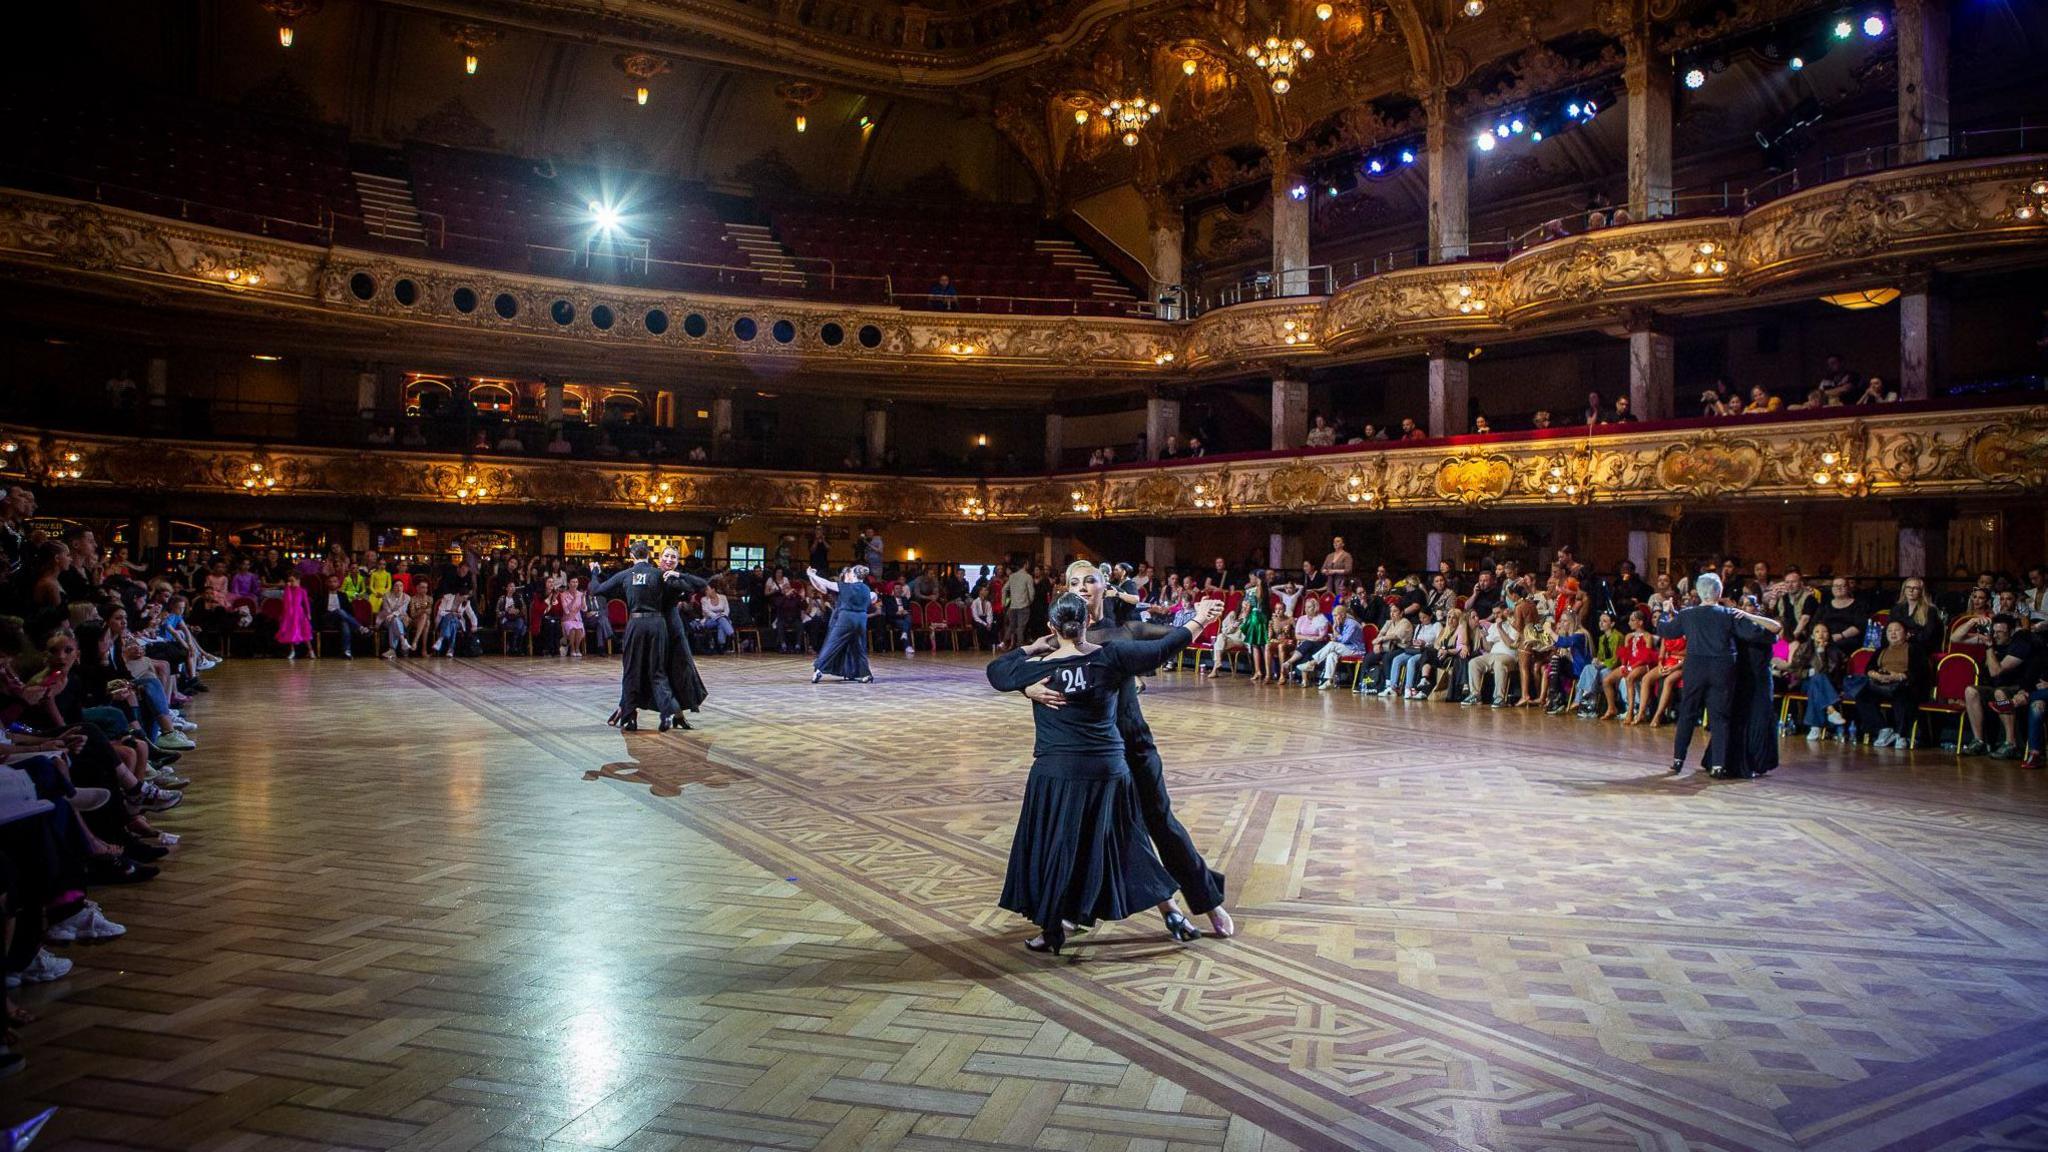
441,905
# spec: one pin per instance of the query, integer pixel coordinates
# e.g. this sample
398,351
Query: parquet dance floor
441,905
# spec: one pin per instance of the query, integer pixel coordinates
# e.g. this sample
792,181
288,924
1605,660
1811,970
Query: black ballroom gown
684,683
1081,852
643,673
845,650
1752,725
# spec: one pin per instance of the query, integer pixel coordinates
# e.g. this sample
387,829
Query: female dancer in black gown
1081,854
684,683
1752,725
845,651
643,674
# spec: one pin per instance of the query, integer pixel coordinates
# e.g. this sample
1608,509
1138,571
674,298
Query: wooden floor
441,905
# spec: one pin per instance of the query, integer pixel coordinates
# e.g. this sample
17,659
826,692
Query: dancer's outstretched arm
1014,671
820,583
1137,656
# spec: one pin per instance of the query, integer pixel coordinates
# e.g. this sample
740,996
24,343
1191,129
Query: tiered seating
509,212
282,179
990,253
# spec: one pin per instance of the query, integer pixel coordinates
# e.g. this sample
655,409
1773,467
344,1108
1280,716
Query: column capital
1922,514
1445,350
1636,319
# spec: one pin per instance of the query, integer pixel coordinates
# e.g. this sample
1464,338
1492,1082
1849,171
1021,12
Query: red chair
363,615
1859,661
915,610
1953,673
615,611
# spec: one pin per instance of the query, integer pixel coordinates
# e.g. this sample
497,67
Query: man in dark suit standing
1710,629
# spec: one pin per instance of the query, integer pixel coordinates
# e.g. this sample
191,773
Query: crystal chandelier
1129,115
1279,58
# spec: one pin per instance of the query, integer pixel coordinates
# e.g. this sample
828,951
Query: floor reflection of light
590,1054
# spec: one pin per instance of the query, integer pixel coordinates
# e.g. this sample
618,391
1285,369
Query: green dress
1254,622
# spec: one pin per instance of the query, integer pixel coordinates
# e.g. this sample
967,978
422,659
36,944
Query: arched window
492,397
426,396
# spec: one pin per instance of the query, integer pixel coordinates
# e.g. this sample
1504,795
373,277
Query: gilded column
1923,332
1446,163
1652,367
1290,229
1290,413
1450,390
1647,75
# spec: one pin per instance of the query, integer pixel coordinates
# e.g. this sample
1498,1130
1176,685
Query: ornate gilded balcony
1880,451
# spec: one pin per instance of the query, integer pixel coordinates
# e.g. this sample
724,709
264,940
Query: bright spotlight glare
1298,192
1500,130
1516,125
1873,26
1407,156
1798,63
1375,167
1485,142
1572,109
605,216
1843,28
1695,78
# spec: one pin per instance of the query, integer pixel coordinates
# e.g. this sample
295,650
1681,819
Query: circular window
601,317
694,326
406,292
870,336
743,328
362,285
656,321
465,300
506,304
833,335
783,331
563,312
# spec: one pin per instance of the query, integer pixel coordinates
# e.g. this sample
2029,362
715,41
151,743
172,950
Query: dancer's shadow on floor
1661,784
668,763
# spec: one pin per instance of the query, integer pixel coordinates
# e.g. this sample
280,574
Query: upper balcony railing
1721,198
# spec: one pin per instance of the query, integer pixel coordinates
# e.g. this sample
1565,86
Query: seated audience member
509,441
1498,646
1321,433
1836,381
1876,392
1891,690
2012,665
512,621
1345,640
714,618
1624,411
1761,400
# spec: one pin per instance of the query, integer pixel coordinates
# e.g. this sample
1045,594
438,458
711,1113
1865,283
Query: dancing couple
1096,792
845,651
659,673
1726,676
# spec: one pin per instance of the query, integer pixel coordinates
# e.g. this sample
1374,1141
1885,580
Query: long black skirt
845,651
643,681
683,681
1081,852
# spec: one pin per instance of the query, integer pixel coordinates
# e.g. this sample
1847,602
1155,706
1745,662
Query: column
1290,232
1923,539
875,427
1290,413
366,392
550,540
1647,75
1446,163
1649,544
359,536
1283,551
551,399
721,423
1055,440
1053,550
720,546
1652,368
149,535
1167,230
156,383
1162,419
1441,546
1450,390
667,410
1922,28
1159,554
1923,337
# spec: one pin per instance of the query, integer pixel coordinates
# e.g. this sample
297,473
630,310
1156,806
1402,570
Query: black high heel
682,724
613,719
630,724
1050,940
1180,929
666,723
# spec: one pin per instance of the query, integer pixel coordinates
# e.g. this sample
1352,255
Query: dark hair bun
1069,616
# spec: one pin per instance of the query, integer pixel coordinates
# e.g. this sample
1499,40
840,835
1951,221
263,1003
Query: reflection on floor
442,905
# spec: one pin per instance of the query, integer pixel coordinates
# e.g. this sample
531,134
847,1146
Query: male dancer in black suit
1710,629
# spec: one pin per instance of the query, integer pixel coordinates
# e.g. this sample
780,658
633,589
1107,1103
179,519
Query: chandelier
1207,496
661,495
974,508
831,503
1570,475
1081,504
288,14
70,466
1279,58
258,478
1129,115
1835,465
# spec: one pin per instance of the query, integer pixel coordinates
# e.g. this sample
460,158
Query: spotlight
1516,126
1407,156
1375,166
605,216
1873,26
1797,63
1500,130
1188,66
1474,7
1298,192
1485,142
1695,78
1572,109
1844,29
1536,135
1333,189
1325,11
1591,108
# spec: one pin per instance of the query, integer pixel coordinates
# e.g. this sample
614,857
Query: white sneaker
1813,733
88,923
1886,737
909,651
206,663
41,970
183,725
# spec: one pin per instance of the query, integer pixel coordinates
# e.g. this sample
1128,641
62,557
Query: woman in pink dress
295,626
571,601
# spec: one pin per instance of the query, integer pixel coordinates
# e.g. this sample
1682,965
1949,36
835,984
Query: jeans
720,629
1407,671
891,625
394,633
449,628
1589,682
1820,695
348,627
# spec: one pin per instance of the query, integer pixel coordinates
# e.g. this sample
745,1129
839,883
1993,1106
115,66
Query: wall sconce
258,478
1707,257
831,503
661,494
1469,300
70,466
974,508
